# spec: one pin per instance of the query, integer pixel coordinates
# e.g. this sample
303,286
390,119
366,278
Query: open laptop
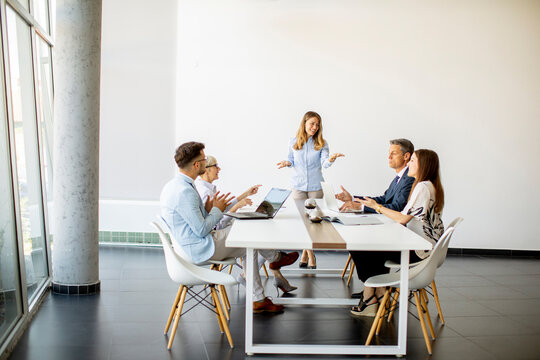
330,199
268,208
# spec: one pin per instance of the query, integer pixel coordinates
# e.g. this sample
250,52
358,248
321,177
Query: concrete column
77,54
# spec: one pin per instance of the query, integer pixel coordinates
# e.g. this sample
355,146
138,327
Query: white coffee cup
310,204
315,215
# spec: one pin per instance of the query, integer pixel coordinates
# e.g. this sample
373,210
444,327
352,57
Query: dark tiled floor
491,306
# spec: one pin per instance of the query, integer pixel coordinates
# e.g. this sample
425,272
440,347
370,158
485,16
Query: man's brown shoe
266,305
284,260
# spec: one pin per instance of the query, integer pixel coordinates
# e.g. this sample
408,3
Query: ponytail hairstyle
428,170
302,136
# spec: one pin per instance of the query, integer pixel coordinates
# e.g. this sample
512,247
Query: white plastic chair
214,264
189,275
444,251
420,276
393,265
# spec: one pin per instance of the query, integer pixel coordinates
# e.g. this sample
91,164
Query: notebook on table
353,220
268,208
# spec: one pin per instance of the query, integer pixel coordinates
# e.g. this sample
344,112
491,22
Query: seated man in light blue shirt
192,222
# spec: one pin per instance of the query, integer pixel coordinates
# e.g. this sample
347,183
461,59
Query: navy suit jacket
395,198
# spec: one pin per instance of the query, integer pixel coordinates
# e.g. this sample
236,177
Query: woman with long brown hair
422,214
308,154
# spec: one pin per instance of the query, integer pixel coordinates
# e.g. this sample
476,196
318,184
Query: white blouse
425,222
206,190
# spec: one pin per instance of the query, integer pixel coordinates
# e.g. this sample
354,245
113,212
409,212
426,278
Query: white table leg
249,300
403,302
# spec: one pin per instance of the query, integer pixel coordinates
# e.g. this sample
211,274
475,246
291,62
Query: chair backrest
454,224
186,273
175,244
423,274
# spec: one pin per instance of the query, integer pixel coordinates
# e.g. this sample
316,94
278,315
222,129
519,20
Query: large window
26,150
10,302
26,143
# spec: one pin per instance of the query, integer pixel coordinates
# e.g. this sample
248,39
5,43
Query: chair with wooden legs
444,251
188,276
217,265
420,276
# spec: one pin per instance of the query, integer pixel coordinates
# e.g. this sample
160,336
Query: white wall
138,71
461,78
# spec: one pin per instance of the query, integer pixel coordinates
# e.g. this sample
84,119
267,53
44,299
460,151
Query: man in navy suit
395,197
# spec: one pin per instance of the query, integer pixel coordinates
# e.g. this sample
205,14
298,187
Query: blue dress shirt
307,164
190,223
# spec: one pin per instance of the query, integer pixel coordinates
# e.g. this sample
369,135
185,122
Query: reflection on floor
491,307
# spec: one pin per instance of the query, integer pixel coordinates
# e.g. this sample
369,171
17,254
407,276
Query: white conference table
291,230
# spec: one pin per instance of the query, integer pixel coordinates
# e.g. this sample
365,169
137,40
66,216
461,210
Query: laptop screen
273,201
329,196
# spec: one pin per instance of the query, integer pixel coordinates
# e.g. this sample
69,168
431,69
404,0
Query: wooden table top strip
323,235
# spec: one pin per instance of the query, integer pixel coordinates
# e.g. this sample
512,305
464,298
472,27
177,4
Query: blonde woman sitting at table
205,188
422,214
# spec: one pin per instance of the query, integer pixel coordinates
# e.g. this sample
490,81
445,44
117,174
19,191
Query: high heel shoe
303,260
314,266
283,285
365,309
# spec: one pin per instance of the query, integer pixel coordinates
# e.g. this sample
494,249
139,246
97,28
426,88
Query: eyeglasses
196,161
209,166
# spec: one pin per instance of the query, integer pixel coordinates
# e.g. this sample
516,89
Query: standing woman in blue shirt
308,154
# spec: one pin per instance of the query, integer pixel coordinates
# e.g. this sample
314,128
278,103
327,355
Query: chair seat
224,262
394,265
383,280
420,276
202,276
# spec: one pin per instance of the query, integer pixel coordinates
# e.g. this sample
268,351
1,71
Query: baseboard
495,252
126,237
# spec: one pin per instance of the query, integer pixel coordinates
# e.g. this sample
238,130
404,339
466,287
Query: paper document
352,220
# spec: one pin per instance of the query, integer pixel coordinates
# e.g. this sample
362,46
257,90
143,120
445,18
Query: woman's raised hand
245,202
369,202
240,204
283,164
253,190
334,156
